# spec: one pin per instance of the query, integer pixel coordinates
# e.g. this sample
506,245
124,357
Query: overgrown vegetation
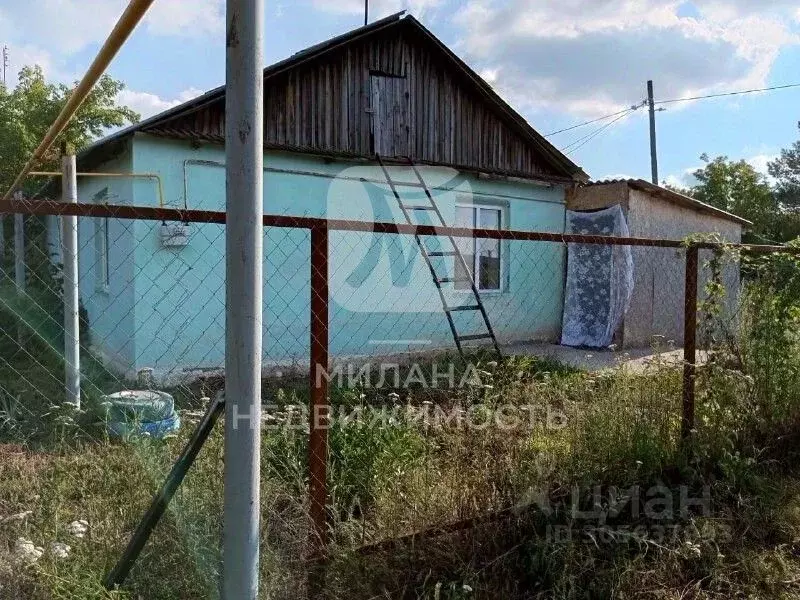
771,204
568,440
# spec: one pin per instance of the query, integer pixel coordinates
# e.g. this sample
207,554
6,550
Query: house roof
673,197
558,160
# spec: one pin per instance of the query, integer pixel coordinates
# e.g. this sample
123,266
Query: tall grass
402,474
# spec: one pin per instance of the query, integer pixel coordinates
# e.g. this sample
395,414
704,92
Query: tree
735,186
27,111
786,171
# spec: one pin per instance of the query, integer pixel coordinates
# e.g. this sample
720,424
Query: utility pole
653,152
366,12
19,266
244,163
5,63
19,250
69,253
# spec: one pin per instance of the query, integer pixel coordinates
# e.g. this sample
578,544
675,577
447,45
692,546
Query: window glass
101,244
482,256
465,217
489,251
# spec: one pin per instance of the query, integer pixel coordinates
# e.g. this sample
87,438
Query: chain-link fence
414,377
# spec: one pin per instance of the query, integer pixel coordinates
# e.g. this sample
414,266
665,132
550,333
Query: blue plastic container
141,412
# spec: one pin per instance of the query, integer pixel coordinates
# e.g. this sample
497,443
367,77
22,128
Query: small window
101,245
102,274
482,256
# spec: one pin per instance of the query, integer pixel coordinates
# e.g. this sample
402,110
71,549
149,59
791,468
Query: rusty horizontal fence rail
152,213
308,252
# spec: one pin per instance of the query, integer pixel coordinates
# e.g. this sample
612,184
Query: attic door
390,115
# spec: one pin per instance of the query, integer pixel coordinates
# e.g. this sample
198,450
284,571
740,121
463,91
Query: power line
736,93
580,143
673,100
603,118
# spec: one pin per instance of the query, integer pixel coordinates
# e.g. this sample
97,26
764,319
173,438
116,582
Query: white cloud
64,27
616,176
593,57
683,180
147,104
686,178
377,8
23,55
731,9
189,18
760,161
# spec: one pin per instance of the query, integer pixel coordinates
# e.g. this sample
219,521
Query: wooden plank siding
325,104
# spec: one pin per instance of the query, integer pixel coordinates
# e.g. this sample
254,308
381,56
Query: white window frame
102,271
476,262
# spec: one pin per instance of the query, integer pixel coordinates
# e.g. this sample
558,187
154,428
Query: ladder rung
406,184
418,207
464,307
454,280
476,336
446,253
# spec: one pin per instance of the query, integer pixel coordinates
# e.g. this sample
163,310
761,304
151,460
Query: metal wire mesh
375,425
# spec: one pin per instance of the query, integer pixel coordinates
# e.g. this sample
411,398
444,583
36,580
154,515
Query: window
101,252
101,246
482,256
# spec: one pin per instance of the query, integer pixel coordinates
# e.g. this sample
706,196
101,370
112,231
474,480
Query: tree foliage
27,111
786,172
735,186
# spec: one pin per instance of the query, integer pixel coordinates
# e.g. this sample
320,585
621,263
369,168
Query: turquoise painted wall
111,308
382,296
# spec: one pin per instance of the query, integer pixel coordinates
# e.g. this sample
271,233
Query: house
155,296
651,211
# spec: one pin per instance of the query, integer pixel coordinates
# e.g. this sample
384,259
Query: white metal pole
69,252
244,150
19,268
19,252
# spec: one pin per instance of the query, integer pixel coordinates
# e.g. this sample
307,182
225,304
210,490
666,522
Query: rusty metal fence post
689,341
318,382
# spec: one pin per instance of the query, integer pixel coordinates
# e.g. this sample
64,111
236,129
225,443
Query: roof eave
561,161
558,160
676,198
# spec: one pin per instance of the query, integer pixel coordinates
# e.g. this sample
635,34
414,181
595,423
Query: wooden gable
394,90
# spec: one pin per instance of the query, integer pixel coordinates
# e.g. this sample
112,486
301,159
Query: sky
558,62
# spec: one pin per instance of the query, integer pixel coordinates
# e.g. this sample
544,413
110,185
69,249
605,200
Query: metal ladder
412,209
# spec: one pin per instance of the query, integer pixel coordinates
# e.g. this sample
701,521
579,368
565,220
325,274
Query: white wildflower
78,528
60,549
26,551
20,516
466,588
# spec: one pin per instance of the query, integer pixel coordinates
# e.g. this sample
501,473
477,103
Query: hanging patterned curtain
599,280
